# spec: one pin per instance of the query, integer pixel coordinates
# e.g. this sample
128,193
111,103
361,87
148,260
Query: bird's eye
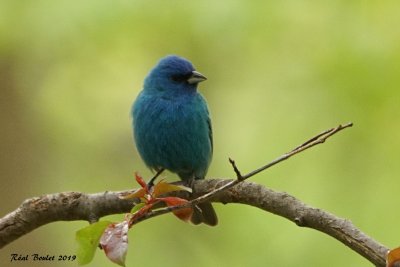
180,77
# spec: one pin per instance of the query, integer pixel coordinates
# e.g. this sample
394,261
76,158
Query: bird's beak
196,77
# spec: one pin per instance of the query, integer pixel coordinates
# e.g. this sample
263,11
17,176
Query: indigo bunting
172,127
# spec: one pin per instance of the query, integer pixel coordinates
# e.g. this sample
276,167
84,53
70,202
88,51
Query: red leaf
142,211
114,241
184,214
142,183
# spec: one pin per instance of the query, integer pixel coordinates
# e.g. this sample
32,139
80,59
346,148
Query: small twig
235,169
316,140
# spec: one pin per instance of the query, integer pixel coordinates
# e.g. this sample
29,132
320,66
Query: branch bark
70,206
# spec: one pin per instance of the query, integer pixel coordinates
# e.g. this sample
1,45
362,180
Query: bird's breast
173,134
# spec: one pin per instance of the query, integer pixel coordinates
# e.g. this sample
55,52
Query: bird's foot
189,182
150,184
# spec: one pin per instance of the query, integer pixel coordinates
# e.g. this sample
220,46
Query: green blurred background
279,72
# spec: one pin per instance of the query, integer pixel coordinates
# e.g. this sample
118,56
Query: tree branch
69,206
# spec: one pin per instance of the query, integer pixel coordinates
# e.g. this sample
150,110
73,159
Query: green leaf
137,207
139,193
88,239
163,187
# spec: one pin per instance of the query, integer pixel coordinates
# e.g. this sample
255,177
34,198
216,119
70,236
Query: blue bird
172,127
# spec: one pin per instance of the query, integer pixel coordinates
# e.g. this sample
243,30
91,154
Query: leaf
139,193
140,181
393,257
114,241
164,187
88,240
137,207
184,214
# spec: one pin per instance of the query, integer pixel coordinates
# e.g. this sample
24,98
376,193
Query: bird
172,126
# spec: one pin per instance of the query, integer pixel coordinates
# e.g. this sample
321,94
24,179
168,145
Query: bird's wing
210,133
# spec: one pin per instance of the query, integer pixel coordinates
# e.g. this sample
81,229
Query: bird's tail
204,213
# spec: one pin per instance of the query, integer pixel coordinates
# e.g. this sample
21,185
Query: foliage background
279,72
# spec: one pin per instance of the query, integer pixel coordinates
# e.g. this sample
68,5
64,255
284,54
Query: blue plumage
172,127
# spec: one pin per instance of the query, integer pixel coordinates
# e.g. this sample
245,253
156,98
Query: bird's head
173,75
